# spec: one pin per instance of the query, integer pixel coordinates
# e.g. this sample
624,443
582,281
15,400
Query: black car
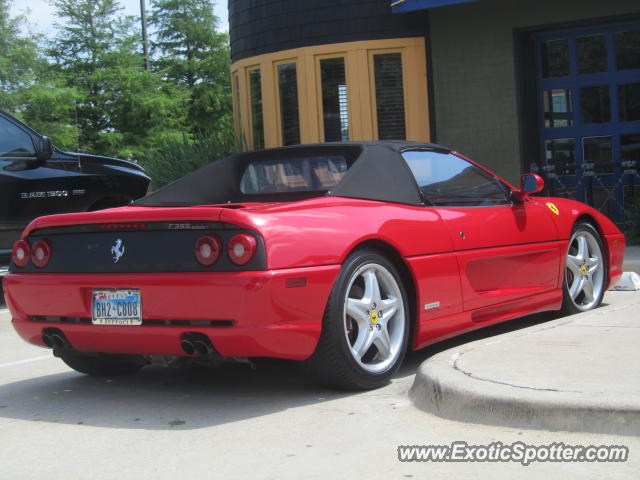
37,179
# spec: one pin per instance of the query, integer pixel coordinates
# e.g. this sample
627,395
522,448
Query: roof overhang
401,6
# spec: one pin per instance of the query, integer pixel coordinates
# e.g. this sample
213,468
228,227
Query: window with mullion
389,96
255,95
289,114
335,101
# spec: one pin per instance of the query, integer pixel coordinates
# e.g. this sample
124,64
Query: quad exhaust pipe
196,344
54,338
203,348
47,340
192,343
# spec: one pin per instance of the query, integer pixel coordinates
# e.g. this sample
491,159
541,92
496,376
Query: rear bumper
270,317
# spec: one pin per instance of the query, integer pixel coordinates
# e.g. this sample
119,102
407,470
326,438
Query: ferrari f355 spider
340,256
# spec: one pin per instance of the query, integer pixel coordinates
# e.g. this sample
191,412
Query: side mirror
45,149
529,183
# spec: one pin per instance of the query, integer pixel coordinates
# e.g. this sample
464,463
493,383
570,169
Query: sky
40,13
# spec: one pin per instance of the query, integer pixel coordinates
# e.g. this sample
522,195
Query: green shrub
173,159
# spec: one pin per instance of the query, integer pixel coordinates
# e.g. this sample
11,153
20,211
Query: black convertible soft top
377,172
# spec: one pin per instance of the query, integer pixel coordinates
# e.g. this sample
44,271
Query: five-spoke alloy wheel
374,317
365,327
585,270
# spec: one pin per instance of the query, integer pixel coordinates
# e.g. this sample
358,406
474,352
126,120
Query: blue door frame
604,185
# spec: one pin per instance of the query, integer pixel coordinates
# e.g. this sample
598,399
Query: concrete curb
435,391
443,387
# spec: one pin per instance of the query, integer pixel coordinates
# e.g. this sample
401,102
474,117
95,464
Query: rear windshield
298,174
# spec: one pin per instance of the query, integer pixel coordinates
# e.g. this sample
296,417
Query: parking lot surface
238,422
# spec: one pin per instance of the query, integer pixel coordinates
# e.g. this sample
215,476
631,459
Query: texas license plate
116,307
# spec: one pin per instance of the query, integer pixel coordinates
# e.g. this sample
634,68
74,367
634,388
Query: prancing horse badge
117,250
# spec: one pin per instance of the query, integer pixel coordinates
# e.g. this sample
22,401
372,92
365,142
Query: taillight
41,253
242,248
208,250
20,253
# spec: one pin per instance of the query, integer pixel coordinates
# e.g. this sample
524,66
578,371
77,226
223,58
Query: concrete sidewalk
576,373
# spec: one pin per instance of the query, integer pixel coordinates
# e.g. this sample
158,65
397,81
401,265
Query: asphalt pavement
542,379
237,422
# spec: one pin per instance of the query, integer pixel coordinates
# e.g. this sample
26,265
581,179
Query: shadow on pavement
165,398
415,358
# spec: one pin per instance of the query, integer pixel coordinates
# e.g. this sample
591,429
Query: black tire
101,365
334,362
588,266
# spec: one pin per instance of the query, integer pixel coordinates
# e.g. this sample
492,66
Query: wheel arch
590,219
390,252
585,217
569,305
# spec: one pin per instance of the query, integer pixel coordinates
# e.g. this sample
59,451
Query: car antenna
75,112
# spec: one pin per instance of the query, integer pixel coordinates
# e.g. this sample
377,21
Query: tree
19,59
144,111
28,90
48,106
121,108
92,38
190,51
88,89
91,29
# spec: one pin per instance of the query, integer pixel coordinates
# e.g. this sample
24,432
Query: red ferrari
340,256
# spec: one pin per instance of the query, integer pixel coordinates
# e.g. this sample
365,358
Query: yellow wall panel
360,89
